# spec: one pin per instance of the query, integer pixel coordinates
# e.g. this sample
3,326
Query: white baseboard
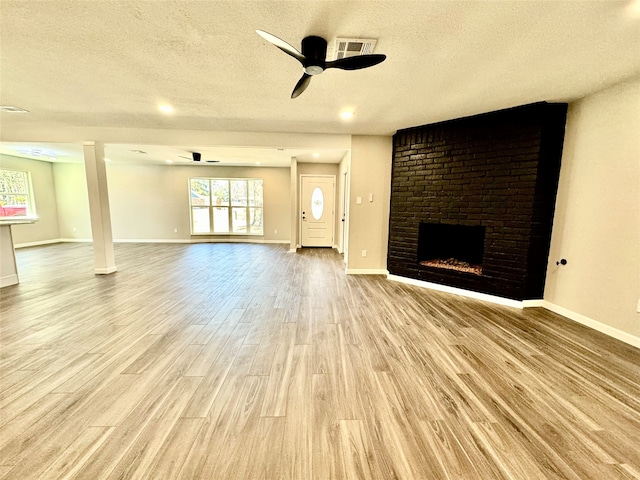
152,240
105,271
532,303
458,291
8,280
164,240
233,240
591,323
75,240
565,312
36,244
367,271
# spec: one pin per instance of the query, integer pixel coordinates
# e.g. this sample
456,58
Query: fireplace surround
490,179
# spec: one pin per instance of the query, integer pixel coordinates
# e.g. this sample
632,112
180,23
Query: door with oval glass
317,200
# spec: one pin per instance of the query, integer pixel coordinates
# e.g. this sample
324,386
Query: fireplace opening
451,247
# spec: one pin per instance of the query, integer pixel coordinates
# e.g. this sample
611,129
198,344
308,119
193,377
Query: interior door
317,199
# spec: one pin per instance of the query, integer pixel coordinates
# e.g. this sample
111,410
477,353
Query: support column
96,172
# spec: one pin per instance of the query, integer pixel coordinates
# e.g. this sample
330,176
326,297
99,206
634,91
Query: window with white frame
16,194
226,206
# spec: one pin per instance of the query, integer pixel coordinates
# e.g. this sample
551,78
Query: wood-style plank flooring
236,361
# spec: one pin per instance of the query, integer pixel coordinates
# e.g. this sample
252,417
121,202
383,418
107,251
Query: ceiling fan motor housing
315,51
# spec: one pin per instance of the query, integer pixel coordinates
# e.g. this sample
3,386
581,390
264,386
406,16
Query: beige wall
150,202
369,222
44,192
597,218
72,200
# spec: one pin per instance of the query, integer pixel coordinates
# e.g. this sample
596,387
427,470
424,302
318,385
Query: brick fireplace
479,191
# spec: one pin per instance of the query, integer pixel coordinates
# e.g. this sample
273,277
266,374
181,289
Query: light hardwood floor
232,361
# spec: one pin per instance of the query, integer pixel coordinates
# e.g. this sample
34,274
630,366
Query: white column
96,172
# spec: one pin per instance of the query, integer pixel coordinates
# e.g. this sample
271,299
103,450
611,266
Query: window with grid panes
16,194
226,206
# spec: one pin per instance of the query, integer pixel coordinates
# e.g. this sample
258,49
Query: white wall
597,217
369,221
44,192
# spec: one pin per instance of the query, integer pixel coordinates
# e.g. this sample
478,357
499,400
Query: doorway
317,212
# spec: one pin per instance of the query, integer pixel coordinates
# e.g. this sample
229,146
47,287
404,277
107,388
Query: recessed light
166,108
12,109
316,155
258,163
169,160
633,9
346,115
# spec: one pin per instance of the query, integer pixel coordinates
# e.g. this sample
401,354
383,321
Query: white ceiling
107,65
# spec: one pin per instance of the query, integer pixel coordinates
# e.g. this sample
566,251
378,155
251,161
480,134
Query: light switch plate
359,200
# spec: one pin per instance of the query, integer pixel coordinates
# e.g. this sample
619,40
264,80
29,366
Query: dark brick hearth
498,171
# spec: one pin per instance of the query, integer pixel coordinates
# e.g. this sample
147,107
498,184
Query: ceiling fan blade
301,86
357,62
282,45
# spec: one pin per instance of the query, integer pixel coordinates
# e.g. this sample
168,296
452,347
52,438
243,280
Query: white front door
317,210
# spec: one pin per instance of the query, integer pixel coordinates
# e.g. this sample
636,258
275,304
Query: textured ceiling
109,64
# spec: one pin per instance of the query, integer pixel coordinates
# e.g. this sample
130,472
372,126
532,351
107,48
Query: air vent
351,47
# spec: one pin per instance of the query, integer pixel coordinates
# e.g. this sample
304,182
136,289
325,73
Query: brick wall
498,170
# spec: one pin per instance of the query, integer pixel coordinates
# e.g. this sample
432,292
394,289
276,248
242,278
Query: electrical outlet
175,230
75,229
364,253
275,231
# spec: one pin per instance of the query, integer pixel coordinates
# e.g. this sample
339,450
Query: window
16,194
226,206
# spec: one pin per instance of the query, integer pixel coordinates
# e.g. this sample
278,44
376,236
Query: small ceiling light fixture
169,160
166,109
107,159
12,109
347,114
316,155
258,163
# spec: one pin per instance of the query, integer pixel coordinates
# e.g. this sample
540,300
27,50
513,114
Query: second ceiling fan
313,58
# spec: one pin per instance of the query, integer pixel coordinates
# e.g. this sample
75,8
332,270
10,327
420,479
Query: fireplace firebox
451,247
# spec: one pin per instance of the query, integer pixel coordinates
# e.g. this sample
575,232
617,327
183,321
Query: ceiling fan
313,58
197,156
